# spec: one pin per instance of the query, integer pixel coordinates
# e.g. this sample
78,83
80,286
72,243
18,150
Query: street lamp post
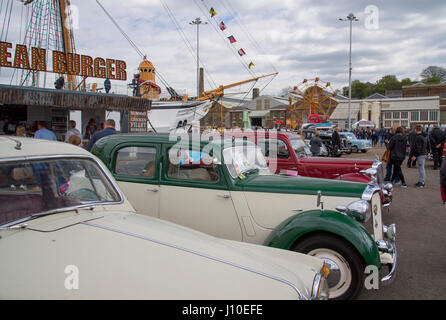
197,22
351,17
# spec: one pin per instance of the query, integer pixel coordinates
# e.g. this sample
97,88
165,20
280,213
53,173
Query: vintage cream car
226,190
67,232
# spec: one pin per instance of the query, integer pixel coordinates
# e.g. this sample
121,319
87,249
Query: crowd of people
72,136
421,144
397,141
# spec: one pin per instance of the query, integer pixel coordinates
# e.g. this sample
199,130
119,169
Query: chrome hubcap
340,277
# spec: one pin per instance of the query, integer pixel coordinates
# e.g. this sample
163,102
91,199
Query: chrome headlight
320,289
372,173
388,187
359,210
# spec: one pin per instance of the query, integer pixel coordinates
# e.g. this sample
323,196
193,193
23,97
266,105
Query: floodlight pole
351,17
197,22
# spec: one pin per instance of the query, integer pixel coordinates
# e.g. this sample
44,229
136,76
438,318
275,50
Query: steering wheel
84,194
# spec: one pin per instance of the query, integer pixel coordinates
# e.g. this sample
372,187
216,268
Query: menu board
137,122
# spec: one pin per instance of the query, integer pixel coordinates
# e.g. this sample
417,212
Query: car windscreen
244,159
37,186
300,147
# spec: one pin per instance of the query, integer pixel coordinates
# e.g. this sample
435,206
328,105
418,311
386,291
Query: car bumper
388,254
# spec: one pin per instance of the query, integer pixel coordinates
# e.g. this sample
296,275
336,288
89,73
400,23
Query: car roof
159,138
16,147
265,133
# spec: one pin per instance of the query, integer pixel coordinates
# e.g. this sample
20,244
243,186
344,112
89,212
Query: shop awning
73,100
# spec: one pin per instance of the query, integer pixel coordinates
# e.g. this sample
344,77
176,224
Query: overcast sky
298,38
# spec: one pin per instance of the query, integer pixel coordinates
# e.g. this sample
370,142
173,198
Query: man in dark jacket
316,144
336,141
437,140
418,150
397,147
109,129
412,138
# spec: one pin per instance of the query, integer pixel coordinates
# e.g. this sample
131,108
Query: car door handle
224,196
153,190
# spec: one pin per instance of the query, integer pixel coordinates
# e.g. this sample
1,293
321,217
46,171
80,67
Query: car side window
282,150
264,144
136,161
191,165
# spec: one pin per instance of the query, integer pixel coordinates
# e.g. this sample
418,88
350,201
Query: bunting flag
232,39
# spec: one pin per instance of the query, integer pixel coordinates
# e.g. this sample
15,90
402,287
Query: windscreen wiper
253,170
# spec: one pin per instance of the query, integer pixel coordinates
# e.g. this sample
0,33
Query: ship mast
48,26
67,37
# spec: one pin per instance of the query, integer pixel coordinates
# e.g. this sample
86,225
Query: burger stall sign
62,63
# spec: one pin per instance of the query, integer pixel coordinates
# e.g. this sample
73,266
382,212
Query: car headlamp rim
360,210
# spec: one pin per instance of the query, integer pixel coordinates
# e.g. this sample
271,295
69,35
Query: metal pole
350,80
197,22
351,17
198,59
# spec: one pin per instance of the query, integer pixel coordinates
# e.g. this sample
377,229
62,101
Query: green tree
406,82
433,72
360,90
389,82
432,80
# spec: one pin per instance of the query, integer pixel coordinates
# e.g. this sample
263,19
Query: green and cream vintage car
67,232
224,188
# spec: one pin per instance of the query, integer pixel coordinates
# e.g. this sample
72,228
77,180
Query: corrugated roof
74,100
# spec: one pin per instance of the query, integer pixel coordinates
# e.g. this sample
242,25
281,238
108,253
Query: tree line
361,90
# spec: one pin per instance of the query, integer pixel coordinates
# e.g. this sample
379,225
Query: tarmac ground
420,218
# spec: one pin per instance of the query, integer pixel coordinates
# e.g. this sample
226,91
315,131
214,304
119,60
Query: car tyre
355,149
363,151
347,268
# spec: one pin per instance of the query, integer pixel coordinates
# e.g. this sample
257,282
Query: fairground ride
311,101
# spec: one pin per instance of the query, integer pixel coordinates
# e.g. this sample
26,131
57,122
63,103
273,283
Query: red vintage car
294,158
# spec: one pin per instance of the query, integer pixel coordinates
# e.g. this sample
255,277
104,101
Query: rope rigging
135,47
232,13
187,42
218,31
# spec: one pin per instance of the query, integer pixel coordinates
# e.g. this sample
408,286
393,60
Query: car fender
296,227
354,177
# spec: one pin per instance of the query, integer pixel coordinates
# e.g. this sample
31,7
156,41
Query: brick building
421,89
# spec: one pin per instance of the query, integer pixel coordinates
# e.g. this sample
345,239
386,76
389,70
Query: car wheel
346,267
355,149
363,151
